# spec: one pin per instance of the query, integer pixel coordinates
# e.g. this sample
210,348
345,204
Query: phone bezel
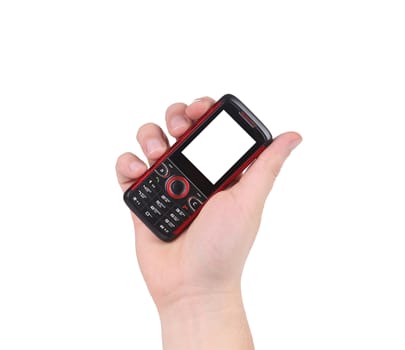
246,120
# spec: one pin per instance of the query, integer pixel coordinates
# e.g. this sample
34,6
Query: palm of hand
209,256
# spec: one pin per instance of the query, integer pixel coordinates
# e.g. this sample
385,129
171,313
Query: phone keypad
160,201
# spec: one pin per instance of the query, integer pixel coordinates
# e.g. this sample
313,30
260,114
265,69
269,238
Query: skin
195,281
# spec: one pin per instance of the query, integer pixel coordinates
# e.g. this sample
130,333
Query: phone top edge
268,138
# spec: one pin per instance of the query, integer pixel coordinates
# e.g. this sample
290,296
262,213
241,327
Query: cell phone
205,160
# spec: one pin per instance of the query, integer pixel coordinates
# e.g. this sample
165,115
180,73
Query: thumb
258,180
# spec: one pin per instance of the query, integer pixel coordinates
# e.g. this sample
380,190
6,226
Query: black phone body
205,160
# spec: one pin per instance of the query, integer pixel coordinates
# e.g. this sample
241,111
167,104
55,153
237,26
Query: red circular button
177,187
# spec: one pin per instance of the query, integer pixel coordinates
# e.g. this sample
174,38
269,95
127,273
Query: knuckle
208,99
175,107
146,129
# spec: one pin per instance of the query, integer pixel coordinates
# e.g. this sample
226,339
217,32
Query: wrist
215,320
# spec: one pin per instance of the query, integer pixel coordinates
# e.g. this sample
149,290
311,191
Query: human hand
203,267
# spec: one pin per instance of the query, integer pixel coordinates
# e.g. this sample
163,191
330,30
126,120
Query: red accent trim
247,119
207,114
174,195
222,187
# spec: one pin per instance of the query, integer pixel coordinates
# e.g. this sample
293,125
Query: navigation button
177,187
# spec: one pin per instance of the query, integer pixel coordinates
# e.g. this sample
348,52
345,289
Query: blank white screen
218,147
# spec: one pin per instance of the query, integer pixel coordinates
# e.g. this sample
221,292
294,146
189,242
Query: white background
77,78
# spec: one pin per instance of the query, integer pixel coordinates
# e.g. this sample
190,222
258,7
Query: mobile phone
205,160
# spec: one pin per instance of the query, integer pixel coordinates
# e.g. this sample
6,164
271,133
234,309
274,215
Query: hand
202,268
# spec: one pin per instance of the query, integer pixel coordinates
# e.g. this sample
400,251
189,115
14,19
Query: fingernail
177,122
196,100
153,145
294,143
134,167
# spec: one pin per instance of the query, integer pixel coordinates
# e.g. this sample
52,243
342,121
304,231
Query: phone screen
218,147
